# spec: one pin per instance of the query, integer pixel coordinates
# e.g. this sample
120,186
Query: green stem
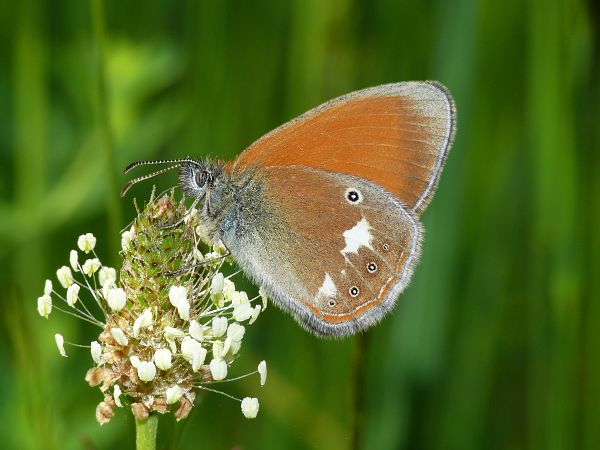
145,433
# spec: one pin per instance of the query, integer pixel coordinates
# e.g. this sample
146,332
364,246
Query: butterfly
323,212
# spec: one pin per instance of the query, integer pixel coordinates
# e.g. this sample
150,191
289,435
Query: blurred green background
495,345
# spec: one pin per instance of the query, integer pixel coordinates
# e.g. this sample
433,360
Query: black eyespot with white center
332,303
372,267
354,291
353,196
385,247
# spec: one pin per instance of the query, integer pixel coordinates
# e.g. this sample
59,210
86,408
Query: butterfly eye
200,178
354,291
353,196
372,267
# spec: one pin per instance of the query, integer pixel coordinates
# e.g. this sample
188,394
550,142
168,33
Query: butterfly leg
200,264
183,218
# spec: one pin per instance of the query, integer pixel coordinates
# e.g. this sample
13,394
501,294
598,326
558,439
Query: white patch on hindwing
357,236
328,288
327,292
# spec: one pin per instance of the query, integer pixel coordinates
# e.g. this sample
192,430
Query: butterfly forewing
396,136
328,222
340,248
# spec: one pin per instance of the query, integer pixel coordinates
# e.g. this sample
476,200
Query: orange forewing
396,136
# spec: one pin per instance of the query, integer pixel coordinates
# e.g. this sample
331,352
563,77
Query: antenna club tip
129,167
145,177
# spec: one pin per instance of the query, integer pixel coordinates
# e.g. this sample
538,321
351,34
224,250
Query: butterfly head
196,178
204,181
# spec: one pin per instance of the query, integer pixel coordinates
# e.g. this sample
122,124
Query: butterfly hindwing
332,249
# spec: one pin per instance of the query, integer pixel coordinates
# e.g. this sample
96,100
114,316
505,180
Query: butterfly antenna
145,177
133,165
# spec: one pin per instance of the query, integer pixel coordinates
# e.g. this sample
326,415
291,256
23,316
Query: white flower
107,287
172,344
218,350
119,336
74,260
218,299
60,343
44,305
146,371
236,331
228,289
243,312
116,299
218,369
183,309
177,294
90,266
170,335
86,242
198,358
174,332
212,259
217,283
126,239
48,287
162,358
255,313
235,346
197,255
173,394
65,277
263,297
106,273
262,371
196,330
73,294
116,395
144,320
135,361
226,345
178,298
96,351
250,407
239,297
189,346
219,326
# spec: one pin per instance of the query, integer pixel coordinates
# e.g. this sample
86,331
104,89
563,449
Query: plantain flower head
170,322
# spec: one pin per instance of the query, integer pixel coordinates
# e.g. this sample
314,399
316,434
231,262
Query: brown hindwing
332,249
